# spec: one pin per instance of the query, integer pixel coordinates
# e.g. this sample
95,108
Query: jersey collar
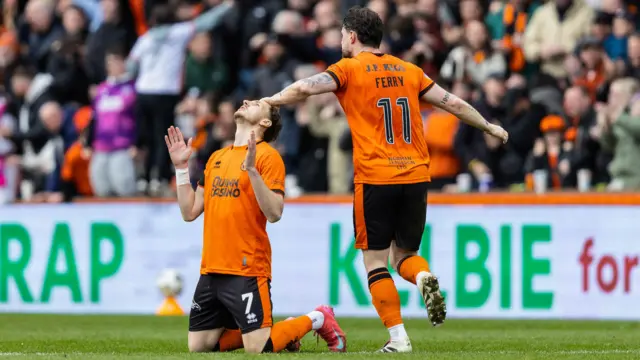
245,146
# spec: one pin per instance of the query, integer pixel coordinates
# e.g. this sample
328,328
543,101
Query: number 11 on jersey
403,102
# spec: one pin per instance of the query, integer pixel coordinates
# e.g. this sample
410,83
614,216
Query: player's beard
346,54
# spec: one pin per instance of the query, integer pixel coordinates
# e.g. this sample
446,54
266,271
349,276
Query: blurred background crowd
88,88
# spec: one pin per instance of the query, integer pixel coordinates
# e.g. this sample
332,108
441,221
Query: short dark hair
118,50
366,24
162,14
271,134
331,28
24,71
213,100
78,9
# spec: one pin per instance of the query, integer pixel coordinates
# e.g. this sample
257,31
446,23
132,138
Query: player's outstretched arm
302,89
271,203
191,202
439,97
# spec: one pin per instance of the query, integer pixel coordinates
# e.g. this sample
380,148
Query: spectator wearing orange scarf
75,167
593,74
548,154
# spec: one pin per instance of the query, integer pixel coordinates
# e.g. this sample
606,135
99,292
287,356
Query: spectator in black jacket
30,92
42,150
70,80
471,145
269,78
117,29
39,31
254,22
522,121
311,48
584,146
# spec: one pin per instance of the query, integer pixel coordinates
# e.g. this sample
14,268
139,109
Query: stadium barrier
498,256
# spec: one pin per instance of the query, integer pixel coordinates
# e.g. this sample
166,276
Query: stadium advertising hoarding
493,261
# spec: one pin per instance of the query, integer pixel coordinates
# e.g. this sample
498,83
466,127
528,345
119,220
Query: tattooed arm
302,89
437,96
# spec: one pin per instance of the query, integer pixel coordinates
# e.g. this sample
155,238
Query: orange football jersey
380,95
235,229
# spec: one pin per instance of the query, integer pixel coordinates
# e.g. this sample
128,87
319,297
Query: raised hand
250,159
268,100
179,151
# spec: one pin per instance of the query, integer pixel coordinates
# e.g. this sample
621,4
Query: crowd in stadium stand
561,76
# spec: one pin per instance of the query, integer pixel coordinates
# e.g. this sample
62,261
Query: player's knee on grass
255,341
203,341
199,345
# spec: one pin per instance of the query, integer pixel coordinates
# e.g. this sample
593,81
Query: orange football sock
385,297
229,341
285,332
411,266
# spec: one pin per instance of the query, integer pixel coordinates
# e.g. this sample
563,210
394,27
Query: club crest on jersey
243,167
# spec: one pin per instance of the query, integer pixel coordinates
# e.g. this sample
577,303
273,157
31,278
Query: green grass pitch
149,337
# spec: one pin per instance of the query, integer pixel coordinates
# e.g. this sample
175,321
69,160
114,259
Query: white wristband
182,177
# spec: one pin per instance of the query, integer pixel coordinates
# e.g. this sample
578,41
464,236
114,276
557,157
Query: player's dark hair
366,24
271,134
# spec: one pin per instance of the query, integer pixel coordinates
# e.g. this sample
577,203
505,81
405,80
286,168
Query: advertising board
502,261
